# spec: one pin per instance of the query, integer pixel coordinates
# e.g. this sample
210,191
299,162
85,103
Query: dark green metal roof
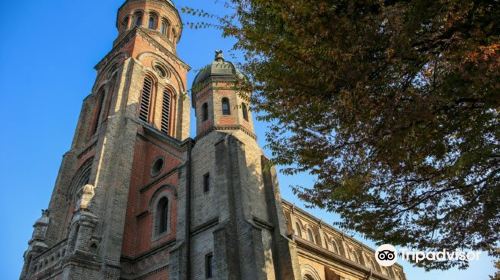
219,69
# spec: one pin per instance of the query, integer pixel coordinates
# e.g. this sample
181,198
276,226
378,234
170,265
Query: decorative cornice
262,223
203,227
229,127
159,179
149,253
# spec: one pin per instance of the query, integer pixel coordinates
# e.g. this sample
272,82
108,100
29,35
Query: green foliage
392,105
497,273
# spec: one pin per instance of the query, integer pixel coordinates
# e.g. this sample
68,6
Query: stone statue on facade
86,197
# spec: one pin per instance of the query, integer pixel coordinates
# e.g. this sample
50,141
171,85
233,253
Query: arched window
385,271
153,20
310,235
162,215
138,19
353,255
164,27
125,23
335,247
372,264
98,109
226,110
165,112
298,231
245,111
327,244
204,112
111,90
147,91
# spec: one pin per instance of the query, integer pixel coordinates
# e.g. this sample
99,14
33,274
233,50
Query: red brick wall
139,226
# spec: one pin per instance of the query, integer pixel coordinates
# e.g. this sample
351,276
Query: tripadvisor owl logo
386,255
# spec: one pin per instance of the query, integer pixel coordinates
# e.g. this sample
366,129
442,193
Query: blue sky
47,53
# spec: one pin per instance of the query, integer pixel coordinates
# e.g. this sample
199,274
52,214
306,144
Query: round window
161,72
157,166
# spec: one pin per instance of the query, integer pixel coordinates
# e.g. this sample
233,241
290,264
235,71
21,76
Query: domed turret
218,104
218,70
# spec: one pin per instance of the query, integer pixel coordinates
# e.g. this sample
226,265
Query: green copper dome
218,70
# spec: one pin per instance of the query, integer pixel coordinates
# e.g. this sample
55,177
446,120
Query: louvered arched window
165,112
147,92
226,110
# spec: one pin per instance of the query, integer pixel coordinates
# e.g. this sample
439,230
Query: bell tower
127,156
237,229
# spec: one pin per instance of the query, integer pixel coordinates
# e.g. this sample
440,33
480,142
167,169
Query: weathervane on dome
219,55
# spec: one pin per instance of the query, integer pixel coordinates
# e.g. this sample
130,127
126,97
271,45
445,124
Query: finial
219,56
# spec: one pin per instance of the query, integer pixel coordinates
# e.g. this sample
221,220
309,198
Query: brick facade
134,200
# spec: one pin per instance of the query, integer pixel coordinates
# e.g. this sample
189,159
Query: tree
392,105
497,274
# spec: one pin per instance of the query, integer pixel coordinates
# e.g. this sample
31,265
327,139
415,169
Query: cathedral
138,197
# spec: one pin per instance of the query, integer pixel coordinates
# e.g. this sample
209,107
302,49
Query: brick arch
80,175
171,89
152,75
352,254
156,15
136,12
299,228
165,191
314,231
142,57
371,263
309,273
103,75
303,226
331,241
161,190
310,234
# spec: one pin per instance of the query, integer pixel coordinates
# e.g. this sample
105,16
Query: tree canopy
392,105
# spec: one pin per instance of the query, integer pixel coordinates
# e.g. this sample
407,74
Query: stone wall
322,247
